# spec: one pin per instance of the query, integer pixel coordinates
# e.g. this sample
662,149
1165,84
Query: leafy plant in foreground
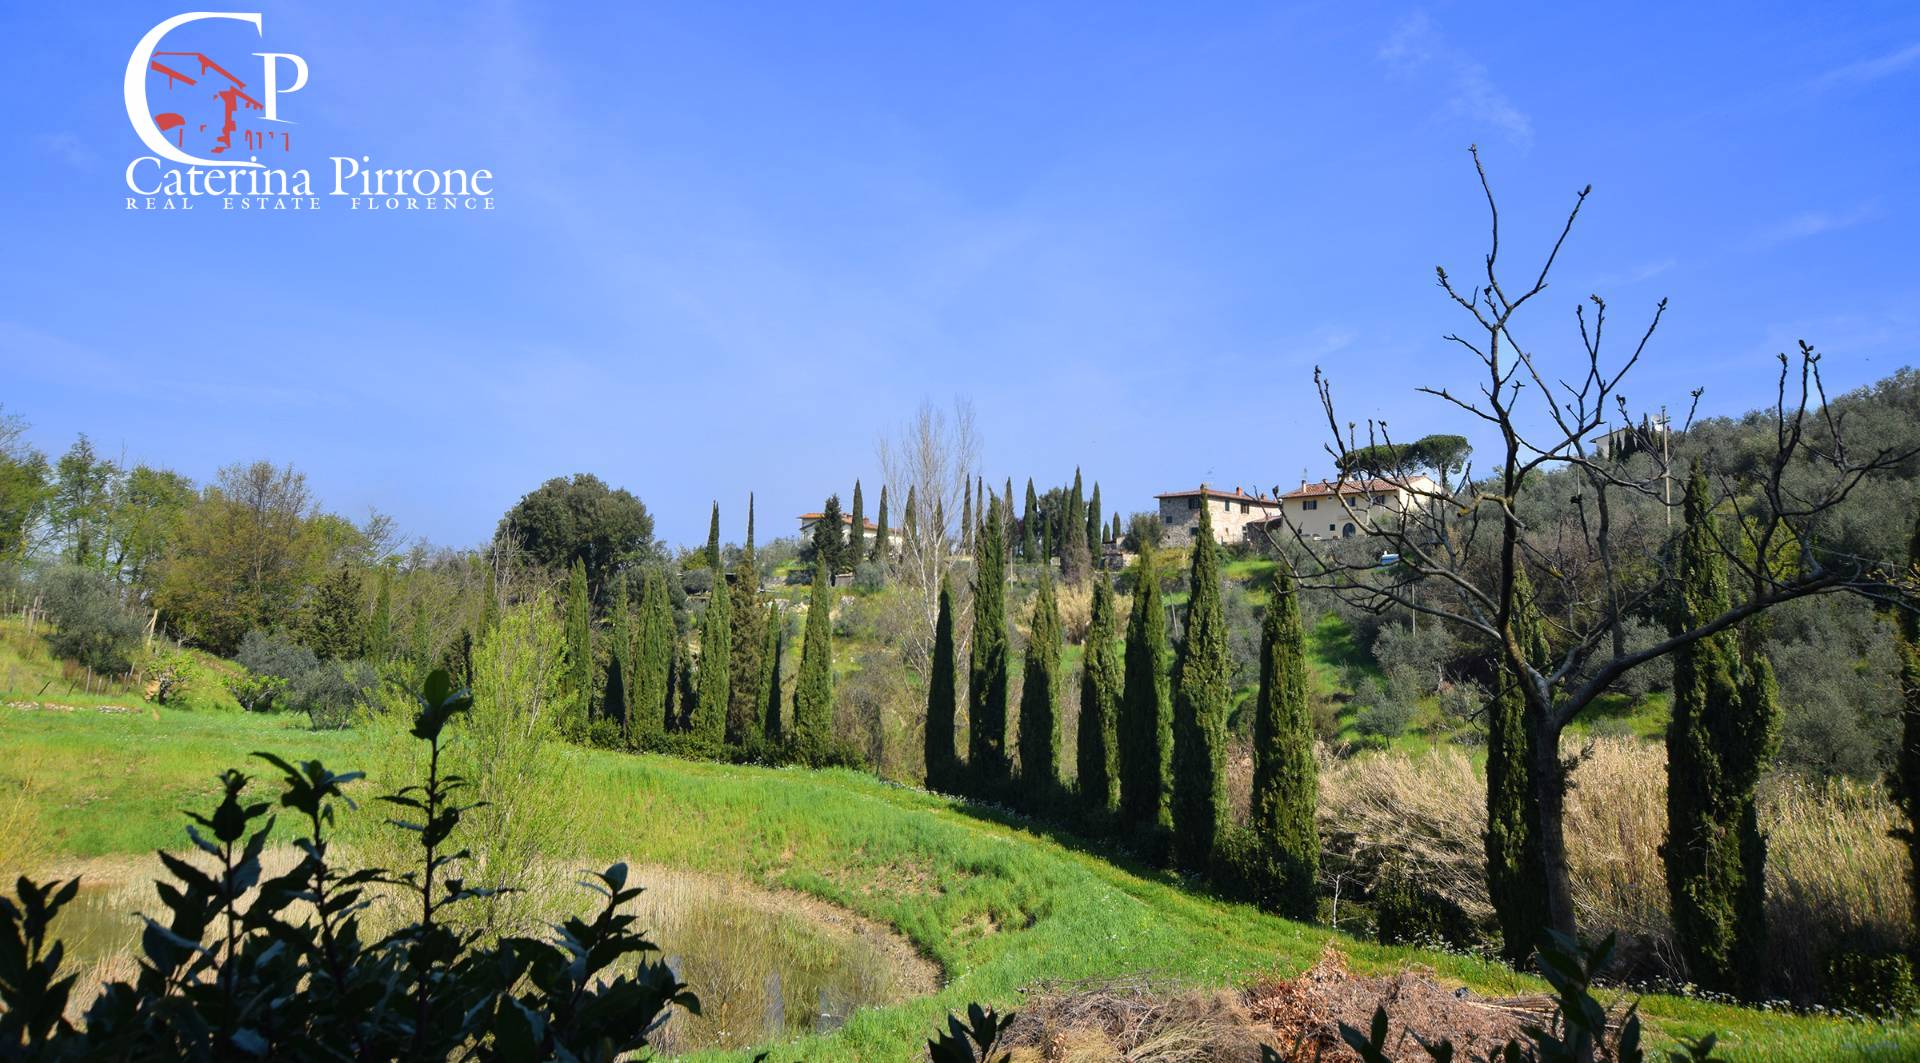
235,970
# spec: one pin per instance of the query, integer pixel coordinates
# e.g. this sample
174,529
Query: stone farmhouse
1339,509
1236,514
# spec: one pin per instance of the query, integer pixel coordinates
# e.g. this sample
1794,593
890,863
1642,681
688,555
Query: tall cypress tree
747,642
1076,557
749,525
1095,522
681,695
1007,522
1516,873
1029,545
1102,674
829,543
1905,779
770,676
1202,694
715,683
942,703
813,690
882,535
988,666
1116,526
857,531
613,698
713,541
620,665
1040,701
653,660
1725,710
1146,709
1285,778
910,525
579,648
966,519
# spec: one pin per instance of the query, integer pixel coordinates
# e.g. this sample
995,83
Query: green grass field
997,904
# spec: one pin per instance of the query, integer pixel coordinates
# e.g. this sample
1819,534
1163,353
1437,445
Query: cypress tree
1040,701
379,640
1007,522
1116,525
910,525
1095,522
942,758
713,541
750,525
1285,777
333,626
715,683
857,531
813,690
1146,708
966,519
1202,694
621,666
987,666
1101,675
1028,545
613,699
1905,779
770,676
680,689
579,647
1516,881
654,644
1725,709
829,544
747,642
882,534
1076,556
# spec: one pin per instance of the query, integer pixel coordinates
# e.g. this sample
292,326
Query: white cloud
1644,272
1873,69
1418,47
1816,222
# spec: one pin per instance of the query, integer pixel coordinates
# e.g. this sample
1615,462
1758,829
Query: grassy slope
998,905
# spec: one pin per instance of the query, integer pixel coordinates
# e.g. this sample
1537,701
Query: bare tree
932,459
1564,507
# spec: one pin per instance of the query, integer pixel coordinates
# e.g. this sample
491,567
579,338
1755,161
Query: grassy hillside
997,904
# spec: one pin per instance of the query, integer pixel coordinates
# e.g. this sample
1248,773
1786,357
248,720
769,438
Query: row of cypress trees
1151,748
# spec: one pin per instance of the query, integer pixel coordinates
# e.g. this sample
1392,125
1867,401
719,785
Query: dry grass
1835,879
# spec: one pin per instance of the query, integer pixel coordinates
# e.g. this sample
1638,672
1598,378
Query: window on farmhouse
1246,507
1193,503
1311,503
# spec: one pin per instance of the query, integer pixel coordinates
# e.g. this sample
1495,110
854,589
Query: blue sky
735,243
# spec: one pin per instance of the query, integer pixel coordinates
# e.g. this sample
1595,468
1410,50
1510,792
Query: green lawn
998,905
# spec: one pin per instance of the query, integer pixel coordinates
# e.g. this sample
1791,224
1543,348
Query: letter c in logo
136,87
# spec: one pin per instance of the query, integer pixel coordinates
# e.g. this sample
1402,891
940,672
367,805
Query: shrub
1406,913
236,971
91,625
869,577
255,692
174,675
1876,985
1383,712
275,656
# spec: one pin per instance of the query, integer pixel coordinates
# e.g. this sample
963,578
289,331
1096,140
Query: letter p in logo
271,75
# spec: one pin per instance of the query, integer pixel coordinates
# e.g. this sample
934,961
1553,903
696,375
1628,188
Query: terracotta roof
1349,487
1235,495
845,518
